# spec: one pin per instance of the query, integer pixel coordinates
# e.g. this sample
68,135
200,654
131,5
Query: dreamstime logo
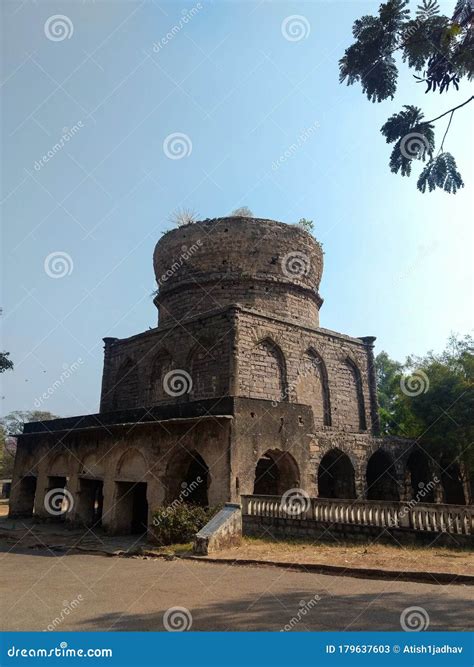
58,264
58,502
415,384
177,145
295,28
414,619
305,607
58,27
177,382
295,264
295,502
177,619
414,145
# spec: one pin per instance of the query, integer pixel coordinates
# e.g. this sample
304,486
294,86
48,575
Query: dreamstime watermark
414,146
415,384
186,254
58,28
67,135
186,491
294,28
301,139
177,382
295,502
295,264
58,264
68,607
423,491
414,619
177,146
58,501
177,619
68,370
186,16
61,651
305,608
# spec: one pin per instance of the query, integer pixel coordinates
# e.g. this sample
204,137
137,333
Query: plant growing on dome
242,212
183,216
308,225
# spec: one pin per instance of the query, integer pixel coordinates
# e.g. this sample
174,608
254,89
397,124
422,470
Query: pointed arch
203,366
336,475
313,387
381,477
161,364
268,373
357,419
276,472
126,385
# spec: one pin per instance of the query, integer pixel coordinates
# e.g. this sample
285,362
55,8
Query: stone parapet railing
426,517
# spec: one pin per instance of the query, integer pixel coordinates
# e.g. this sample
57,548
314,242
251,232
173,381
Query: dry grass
378,556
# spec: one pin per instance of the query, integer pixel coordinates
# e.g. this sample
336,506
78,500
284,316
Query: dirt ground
379,556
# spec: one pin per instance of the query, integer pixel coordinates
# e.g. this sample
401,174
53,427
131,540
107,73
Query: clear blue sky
397,263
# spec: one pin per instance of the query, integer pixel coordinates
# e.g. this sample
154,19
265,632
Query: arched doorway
131,503
451,480
381,477
419,483
336,476
188,479
275,473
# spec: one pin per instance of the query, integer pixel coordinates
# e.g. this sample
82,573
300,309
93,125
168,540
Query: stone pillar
109,509
374,404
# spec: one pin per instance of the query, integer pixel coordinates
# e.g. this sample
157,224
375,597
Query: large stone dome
265,265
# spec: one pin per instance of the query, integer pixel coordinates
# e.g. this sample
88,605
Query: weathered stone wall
321,368
135,367
155,453
262,264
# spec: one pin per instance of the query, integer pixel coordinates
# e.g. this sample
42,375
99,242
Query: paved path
133,594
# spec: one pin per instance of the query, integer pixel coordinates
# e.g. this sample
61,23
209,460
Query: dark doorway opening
275,473
91,502
418,478
381,478
336,478
188,479
131,508
26,498
56,501
196,481
452,484
267,477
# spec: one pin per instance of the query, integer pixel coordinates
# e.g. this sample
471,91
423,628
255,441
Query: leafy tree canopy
431,399
11,425
440,49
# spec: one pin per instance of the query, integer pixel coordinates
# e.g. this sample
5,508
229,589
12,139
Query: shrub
177,524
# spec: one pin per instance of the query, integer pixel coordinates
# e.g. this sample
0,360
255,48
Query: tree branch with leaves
441,50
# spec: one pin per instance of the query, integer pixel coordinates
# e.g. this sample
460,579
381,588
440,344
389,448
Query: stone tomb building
238,390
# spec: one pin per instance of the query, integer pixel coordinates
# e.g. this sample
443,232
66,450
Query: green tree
431,399
10,426
440,49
